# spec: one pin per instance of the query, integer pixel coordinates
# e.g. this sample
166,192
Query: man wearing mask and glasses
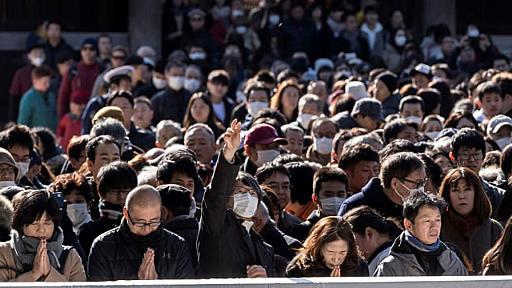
228,245
401,174
140,248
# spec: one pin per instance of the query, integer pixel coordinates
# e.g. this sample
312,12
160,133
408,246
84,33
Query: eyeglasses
7,170
119,191
196,19
90,48
140,224
466,156
422,183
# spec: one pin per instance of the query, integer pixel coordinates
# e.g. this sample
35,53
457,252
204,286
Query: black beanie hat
389,79
175,198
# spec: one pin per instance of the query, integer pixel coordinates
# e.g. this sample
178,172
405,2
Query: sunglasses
90,48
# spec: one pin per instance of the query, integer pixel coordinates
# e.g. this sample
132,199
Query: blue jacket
372,195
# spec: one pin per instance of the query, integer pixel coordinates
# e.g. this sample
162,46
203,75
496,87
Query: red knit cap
80,97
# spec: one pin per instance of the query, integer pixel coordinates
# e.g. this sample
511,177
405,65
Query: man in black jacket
227,244
171,103
178,215
140,248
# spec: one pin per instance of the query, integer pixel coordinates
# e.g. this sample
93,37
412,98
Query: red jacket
69,126
81,78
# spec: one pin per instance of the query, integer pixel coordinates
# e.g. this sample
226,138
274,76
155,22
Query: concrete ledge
384,282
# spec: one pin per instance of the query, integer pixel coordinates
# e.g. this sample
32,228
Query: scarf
141,243
464,224
110,211
416,243
25,248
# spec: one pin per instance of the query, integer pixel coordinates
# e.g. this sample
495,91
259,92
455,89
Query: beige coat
73,268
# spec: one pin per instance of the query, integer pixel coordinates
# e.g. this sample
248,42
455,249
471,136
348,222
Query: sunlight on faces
433,126
462,197
491,104
143,115
126,106
295,142
290,98
200,111
280,184
471,158
41,228
166,133
146,214
104,154
420,81
201,142
7,173
183,179
238,189
426,226
116,196
74,197
411,181
360,173
334,253
409,133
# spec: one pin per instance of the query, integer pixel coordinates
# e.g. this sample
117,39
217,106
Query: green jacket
38,110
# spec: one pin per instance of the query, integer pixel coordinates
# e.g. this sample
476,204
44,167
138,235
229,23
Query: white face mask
432,134
176,82
197,56
411,191
323,145
4,184
414,119
78,214
274,19
193,208
22,168
331,205
473,33
159,83
265,156
37,61
400,40
245,205
191,85
241,29
503,142
305,119
255,107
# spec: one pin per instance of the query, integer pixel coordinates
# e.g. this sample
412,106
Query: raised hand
232,140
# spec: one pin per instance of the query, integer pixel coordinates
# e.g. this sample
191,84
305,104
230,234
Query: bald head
144,196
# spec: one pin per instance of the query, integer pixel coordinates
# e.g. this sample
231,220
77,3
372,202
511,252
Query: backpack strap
63,257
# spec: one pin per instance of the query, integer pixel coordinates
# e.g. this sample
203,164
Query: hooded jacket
402,261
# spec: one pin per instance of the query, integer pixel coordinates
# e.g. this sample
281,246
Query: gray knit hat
6,158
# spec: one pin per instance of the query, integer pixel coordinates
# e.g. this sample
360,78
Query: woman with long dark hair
468,223
329,251
200,110
498,260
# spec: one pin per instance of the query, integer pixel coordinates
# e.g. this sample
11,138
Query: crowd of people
288,139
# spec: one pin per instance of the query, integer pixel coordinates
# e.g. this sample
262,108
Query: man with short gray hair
201,139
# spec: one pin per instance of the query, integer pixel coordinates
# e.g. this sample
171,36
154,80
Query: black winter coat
225,248
117,255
